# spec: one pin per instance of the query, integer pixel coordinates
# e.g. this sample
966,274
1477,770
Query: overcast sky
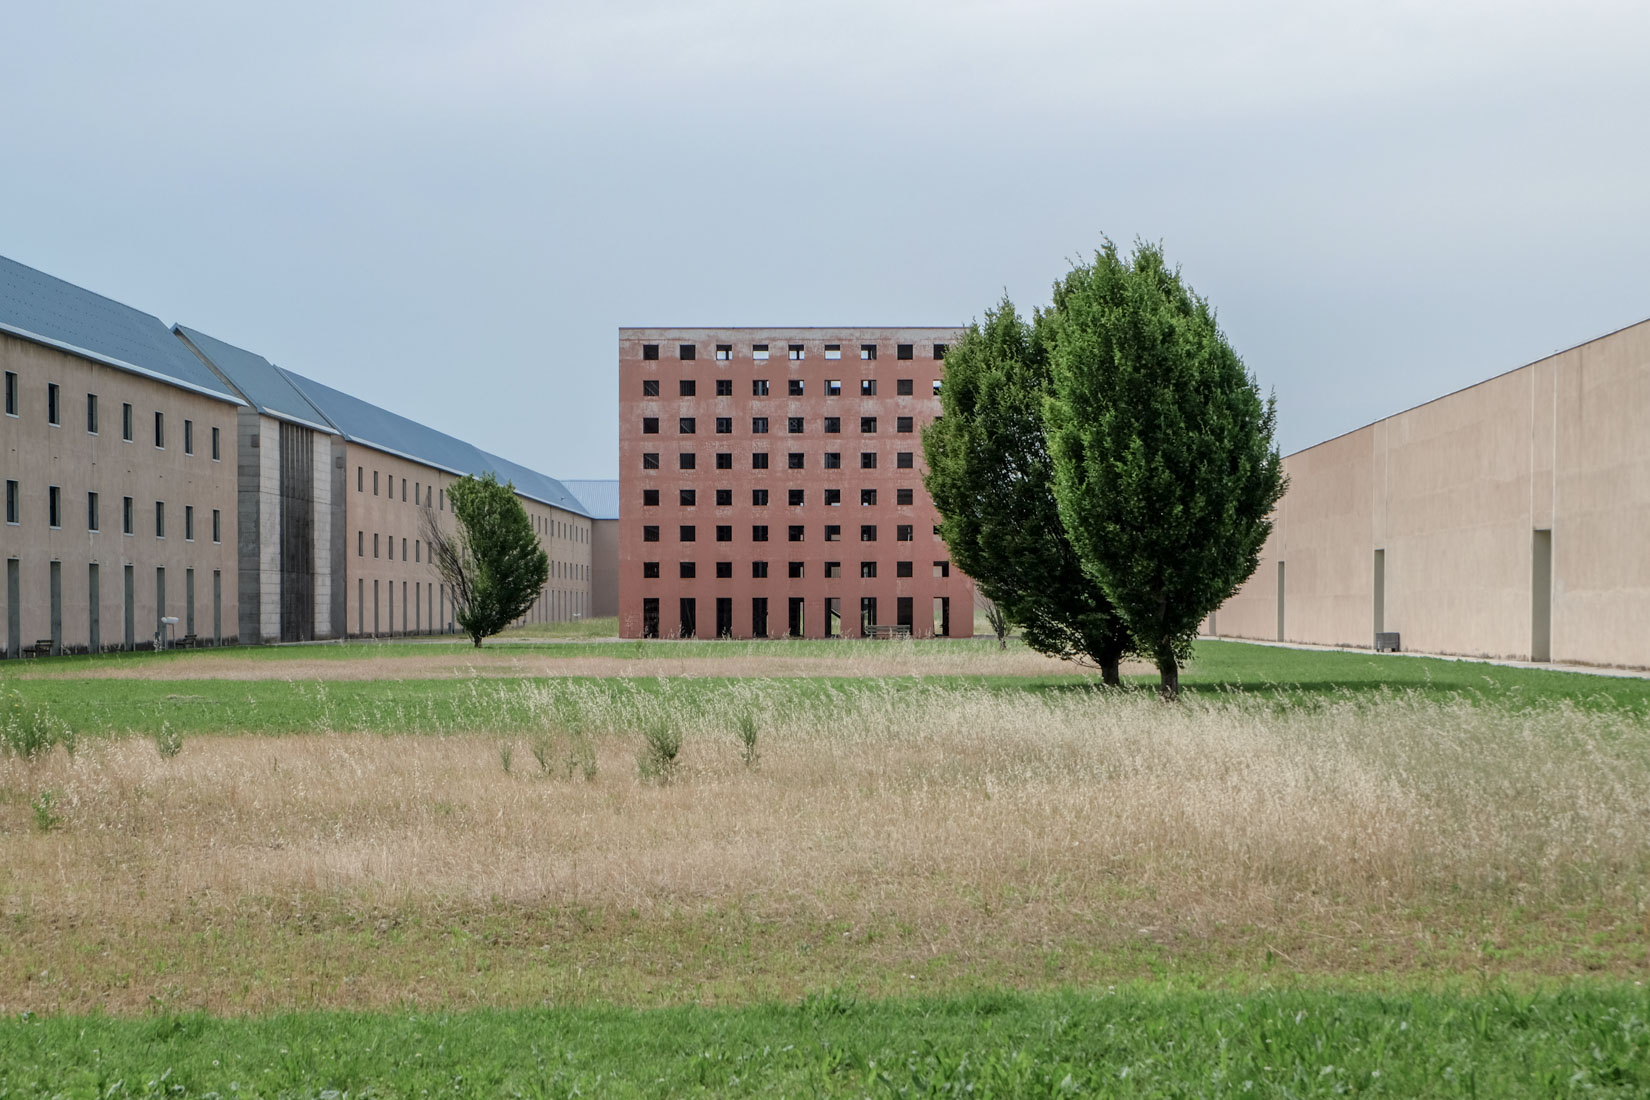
448,209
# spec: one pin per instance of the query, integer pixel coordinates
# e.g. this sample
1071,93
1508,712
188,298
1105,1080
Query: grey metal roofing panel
600,498
47,310
365,423
256,378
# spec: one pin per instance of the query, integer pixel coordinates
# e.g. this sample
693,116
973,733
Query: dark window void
650,351
689,351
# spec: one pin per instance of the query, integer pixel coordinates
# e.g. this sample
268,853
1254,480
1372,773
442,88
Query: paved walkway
1551,666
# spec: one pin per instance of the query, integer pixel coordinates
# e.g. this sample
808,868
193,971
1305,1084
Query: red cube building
771,484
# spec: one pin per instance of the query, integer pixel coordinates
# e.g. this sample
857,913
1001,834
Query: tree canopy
991,478
1165,469
494,565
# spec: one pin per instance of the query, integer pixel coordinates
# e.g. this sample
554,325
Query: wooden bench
1386,642
188,641
41,648
888,633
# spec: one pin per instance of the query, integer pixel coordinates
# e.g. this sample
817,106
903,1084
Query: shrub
168,741
30,732
747,739
661,745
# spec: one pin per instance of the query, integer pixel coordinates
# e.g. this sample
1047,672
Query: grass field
891,869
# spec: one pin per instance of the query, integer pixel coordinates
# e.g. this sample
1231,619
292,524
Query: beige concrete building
117,457
333,495
601,501
1510,519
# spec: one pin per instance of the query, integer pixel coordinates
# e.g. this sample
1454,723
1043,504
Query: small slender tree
494,565
1164,463
992,480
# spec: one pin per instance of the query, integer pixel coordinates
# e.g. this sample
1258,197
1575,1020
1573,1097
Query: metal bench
888,633
1386,642
41,648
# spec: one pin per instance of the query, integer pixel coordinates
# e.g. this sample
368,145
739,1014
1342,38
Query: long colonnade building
249,502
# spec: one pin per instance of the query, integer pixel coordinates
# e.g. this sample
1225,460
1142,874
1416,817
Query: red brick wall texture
837,416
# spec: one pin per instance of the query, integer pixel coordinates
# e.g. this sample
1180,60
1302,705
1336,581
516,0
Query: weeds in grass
506,752
747,739
168,741
31,731
542,747
661,746
581,754
44,805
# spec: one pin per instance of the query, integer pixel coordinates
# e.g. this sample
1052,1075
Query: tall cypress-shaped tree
1164,464
494,566
991,478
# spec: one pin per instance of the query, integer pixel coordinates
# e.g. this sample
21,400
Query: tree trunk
1168,674
476,638
1109,671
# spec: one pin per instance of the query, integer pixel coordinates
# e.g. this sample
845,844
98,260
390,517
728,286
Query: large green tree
1164,463
494,565
991,478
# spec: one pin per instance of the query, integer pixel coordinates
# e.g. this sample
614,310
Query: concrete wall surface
391,587
1443,509
764,466
70,460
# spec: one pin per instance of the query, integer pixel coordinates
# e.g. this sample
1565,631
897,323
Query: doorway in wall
1541,596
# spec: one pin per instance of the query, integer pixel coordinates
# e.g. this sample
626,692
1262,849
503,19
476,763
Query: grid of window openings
801,432
55,512
397,592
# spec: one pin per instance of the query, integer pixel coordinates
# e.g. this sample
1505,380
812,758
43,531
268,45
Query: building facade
601,501
335,493
771,484
117,457
153,474
1510,519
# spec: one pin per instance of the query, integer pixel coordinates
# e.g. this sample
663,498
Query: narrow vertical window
54,396
91,413
126,421
11,393
216,454
54,506
160,519
160,429
188,437
91,512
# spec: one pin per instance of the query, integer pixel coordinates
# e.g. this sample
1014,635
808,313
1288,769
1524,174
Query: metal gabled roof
371,426
256,378
46,310
600,498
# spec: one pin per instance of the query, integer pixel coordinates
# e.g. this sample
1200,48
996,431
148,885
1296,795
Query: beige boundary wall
1510,519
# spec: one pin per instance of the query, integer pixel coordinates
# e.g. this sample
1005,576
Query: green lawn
1282,677
1128,1042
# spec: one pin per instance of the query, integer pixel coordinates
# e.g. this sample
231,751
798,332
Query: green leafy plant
747,739
991,477
44,806
661,746
494,566
1165,468
30,731
168,741
506,753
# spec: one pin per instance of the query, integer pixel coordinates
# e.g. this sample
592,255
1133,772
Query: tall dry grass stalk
881,797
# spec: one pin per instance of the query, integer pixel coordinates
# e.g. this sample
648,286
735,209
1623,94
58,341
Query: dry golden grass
957,837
